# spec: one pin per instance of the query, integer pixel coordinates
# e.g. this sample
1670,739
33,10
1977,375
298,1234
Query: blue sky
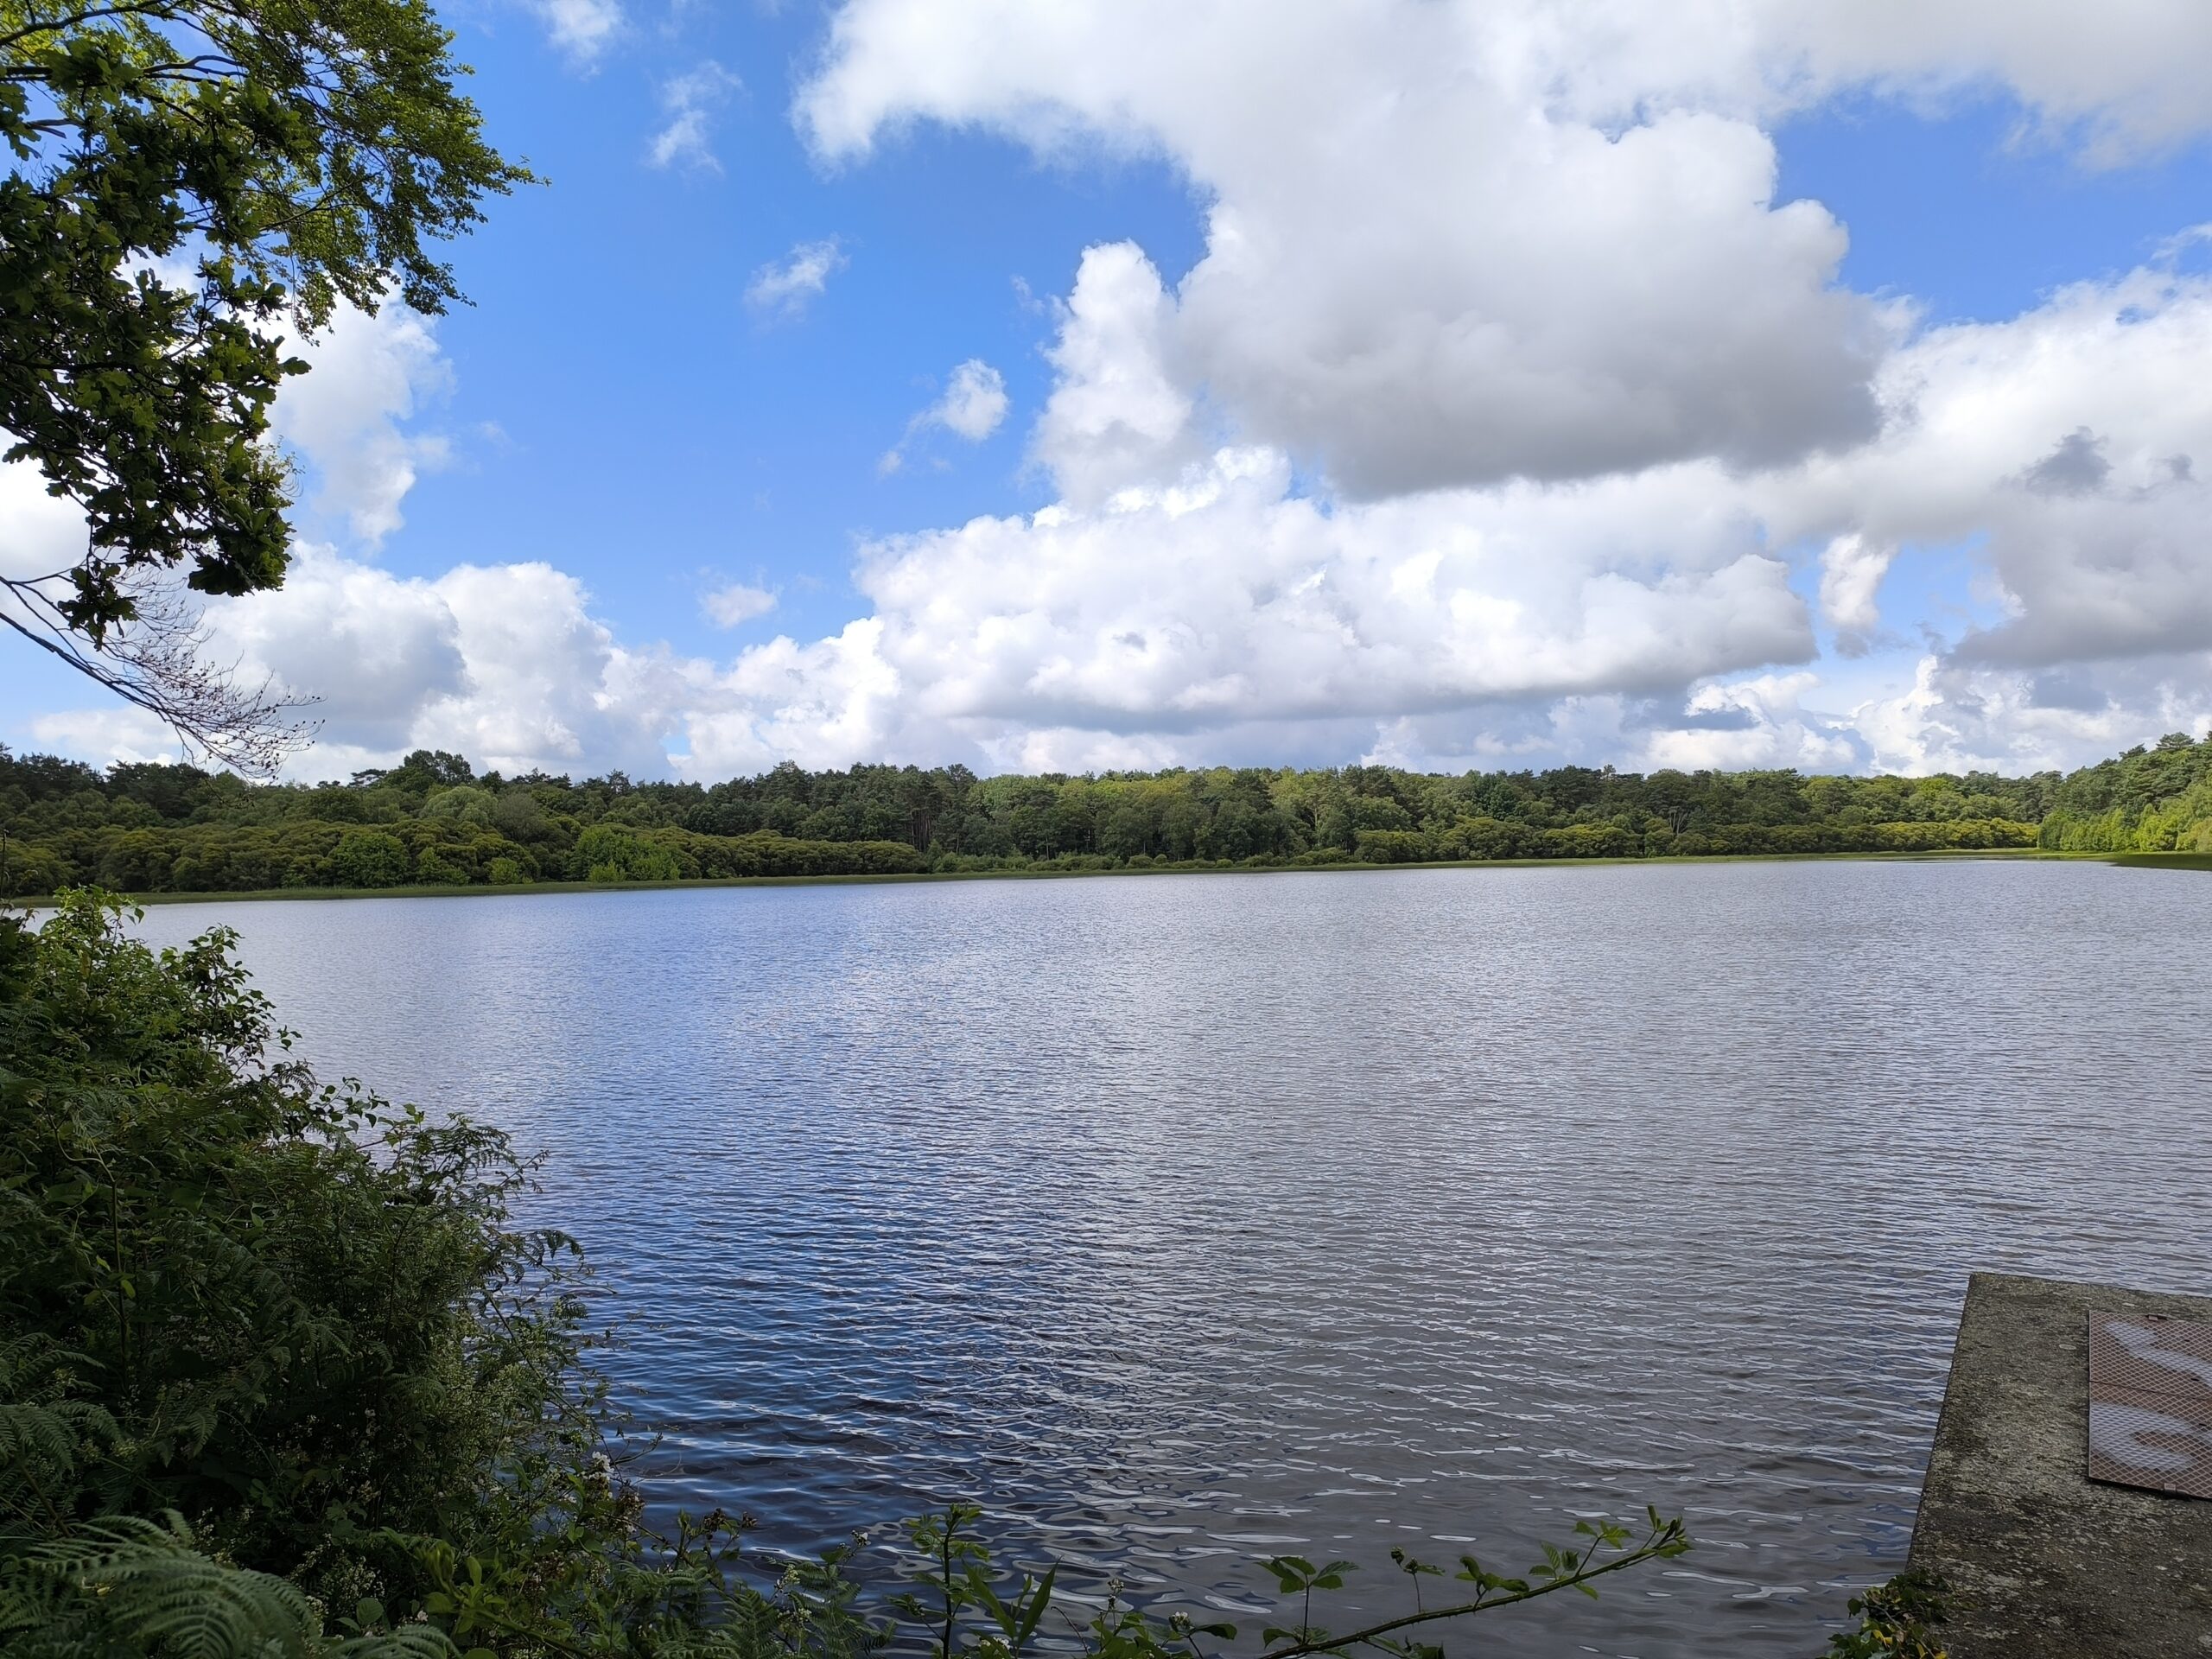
1352,496
656,434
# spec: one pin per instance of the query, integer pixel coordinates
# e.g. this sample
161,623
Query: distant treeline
148,828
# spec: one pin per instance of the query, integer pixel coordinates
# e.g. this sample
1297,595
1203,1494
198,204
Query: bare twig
157,660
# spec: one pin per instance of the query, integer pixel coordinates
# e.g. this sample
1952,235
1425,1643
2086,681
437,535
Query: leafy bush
1394,847
370,858
609,853
434,869
29,869
1897,1620
1589,841
462,804
277,1376
295,1314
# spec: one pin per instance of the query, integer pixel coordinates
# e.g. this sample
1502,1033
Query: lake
1187,1219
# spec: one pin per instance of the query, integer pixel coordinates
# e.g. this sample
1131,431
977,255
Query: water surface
1187,1219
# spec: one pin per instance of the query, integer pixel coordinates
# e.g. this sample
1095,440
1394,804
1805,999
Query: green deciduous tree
608,853
370,858
190,177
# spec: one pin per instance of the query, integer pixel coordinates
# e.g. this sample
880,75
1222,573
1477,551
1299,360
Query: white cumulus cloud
2070,445
736,603
503,663
40,533
972,406
690,101
1852,569
367,375
973,403
787,287
1507,415
1420,269
1169,615
108,735
583,30
1117,417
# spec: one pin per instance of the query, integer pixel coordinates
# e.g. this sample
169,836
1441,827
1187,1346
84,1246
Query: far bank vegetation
435,820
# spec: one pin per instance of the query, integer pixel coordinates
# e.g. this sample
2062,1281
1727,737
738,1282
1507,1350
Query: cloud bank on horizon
1506,416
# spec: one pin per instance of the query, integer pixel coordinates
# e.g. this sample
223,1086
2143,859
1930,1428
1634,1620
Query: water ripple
1185,1220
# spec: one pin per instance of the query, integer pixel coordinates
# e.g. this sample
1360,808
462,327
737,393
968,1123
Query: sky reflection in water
1184,1219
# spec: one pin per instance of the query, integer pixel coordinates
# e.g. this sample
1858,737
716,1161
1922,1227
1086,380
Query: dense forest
435,820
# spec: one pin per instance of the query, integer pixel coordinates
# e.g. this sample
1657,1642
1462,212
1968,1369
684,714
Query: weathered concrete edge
2044,1563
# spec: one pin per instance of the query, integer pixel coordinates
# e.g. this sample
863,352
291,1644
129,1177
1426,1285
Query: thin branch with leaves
967,1616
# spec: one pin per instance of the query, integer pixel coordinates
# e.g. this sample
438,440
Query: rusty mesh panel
2151,1404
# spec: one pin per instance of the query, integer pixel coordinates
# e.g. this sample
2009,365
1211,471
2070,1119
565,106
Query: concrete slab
2044,1563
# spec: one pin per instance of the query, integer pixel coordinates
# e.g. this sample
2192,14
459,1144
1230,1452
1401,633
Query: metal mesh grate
2151,1404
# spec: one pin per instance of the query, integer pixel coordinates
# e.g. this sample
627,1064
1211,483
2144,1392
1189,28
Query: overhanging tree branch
157,661
299,153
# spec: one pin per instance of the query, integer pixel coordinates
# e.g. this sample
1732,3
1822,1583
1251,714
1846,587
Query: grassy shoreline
260,895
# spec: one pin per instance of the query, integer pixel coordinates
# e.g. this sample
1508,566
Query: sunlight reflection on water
1187,1219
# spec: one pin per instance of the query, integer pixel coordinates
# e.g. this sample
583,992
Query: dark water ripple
1187,1219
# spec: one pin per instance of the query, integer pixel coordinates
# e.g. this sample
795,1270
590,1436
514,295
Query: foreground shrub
295,1315
1897,1620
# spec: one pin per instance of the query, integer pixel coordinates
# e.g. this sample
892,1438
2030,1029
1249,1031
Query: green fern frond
407,1642
142,1585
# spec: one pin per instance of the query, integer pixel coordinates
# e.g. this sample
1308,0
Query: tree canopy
190,177
435,819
